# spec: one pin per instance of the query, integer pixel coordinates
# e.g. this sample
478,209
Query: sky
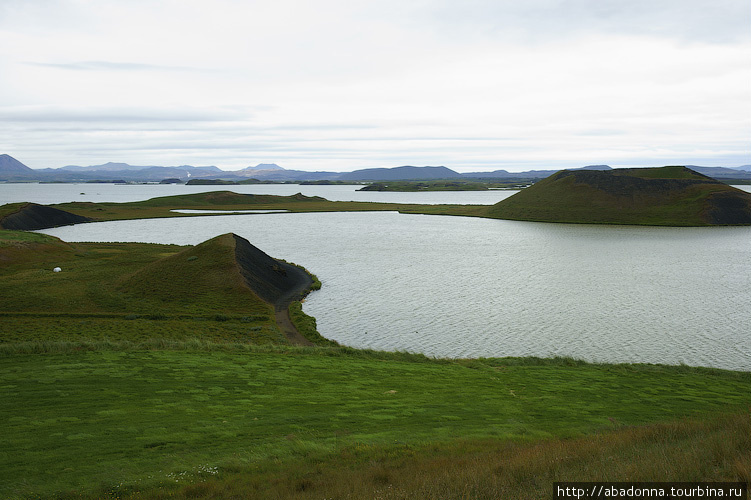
338,85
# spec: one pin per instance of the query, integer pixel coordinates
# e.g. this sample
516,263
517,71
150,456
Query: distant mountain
399,174
722,172
284,175
121,167
529,174
124,171
263,166
107,167
12,169
273,172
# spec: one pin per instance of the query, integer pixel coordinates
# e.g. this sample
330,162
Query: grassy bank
94,420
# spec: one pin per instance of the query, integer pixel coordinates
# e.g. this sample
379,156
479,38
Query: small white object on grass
57,270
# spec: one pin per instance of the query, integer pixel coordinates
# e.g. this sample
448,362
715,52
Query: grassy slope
199,280
10,208
101,419
100,293
563,198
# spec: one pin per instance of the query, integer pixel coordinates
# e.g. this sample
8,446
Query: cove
465,287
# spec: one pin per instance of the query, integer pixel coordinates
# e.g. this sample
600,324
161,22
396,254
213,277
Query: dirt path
281,313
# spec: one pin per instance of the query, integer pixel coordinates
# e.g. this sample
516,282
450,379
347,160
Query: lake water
46,194
468,287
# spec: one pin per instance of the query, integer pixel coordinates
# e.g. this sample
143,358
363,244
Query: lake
469,287
46,194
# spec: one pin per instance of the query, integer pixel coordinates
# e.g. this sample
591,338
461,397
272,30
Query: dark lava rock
273,280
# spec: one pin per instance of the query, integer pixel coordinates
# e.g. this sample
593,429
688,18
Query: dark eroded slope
30,217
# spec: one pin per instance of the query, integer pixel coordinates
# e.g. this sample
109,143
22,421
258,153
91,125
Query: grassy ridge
103,419
227,200
223,200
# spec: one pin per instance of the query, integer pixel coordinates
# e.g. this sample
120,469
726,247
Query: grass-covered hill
666,196
229,264
222,290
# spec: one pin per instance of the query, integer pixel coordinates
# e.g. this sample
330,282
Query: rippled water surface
467,287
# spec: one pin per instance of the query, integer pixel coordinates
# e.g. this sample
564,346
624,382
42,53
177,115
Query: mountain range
13,170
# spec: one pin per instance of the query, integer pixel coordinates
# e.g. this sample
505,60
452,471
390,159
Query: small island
442,185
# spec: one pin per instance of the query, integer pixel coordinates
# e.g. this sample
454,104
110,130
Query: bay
470,287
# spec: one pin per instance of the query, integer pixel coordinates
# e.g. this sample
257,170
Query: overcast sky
346,84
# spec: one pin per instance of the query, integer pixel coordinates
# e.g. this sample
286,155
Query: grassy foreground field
148,371
92,421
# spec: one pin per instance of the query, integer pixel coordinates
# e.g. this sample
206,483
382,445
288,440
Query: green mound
225,273
30,217
666,196
18,247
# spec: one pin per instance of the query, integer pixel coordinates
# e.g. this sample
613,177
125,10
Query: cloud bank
336,85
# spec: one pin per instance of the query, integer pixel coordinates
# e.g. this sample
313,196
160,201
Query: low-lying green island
159,371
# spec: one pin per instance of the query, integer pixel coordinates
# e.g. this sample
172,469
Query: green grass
223,200
717,449
11,208
88,420
20,328
19,238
